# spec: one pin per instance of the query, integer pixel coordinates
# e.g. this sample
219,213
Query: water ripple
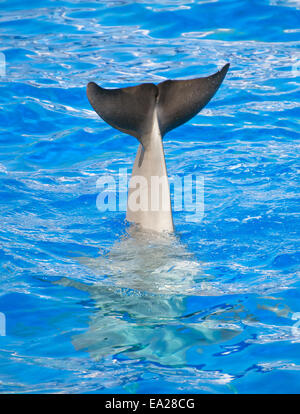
92,306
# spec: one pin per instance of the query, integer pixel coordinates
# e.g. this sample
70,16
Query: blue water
91,308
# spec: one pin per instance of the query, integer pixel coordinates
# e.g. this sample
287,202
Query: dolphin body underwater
148,112
140,300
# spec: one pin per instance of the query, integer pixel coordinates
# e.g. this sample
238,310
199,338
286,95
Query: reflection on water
148,262
141,305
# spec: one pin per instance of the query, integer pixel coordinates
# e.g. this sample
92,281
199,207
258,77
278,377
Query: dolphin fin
128,109
131,109
181,100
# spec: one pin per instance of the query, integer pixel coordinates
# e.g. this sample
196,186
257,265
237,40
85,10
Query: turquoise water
90,307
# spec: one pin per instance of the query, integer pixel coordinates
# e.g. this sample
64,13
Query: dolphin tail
181,100
131,109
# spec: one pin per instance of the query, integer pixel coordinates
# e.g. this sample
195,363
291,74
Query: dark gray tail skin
177,101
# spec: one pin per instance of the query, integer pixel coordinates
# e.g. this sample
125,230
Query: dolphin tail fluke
181,100
131,109
128,109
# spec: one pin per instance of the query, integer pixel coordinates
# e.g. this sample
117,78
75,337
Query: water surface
91,307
